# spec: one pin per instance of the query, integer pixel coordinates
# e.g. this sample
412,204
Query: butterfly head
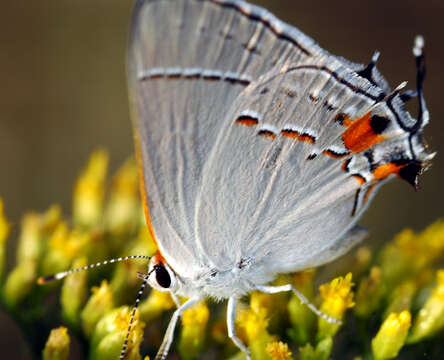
160,276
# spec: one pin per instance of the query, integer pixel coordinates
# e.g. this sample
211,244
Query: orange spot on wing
290,133
360,135
247,121
333,154
384,170
306,138
267,134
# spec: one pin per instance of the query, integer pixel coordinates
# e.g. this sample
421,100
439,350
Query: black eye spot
379,124
162,276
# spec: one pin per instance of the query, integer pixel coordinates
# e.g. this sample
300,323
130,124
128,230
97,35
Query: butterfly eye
162,276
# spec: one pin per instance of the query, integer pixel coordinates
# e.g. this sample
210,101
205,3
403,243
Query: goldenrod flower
73,295
337,298
411,253
125,283
110,333
89,191
122,212
100,302
57,346
192,337
430,318
31,245
253,323
391,336
278,351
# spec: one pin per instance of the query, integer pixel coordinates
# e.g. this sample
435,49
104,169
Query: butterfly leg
169,334
175,299
302,298
231,314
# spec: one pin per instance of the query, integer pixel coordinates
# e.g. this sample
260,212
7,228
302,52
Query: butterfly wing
306,147
188,61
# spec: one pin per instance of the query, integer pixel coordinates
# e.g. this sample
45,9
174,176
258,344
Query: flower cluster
393,301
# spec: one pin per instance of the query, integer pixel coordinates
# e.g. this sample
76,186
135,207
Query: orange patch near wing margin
142,187
384,170
360,135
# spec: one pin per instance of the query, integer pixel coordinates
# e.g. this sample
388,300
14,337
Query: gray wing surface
305,149
256,144
188,62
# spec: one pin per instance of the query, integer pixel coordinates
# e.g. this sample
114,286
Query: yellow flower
430,318
73,294
196,315
278,351
110,333
89,191
337,296
31,245
57,346
411,253
391,336
122,212
253,323
100,302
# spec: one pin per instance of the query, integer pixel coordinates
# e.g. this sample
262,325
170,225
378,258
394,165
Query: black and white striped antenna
62,274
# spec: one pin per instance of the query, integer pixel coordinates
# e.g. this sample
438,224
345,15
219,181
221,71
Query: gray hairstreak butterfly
258,150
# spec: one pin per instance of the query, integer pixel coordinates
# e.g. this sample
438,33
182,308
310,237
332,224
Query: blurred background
64,94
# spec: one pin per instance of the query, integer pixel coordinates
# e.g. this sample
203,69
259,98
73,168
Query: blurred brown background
63,93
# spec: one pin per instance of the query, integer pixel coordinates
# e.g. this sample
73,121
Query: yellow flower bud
430,318
100,302
31,245
110,333
57,346
89,191
74,291
391,336
121,216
